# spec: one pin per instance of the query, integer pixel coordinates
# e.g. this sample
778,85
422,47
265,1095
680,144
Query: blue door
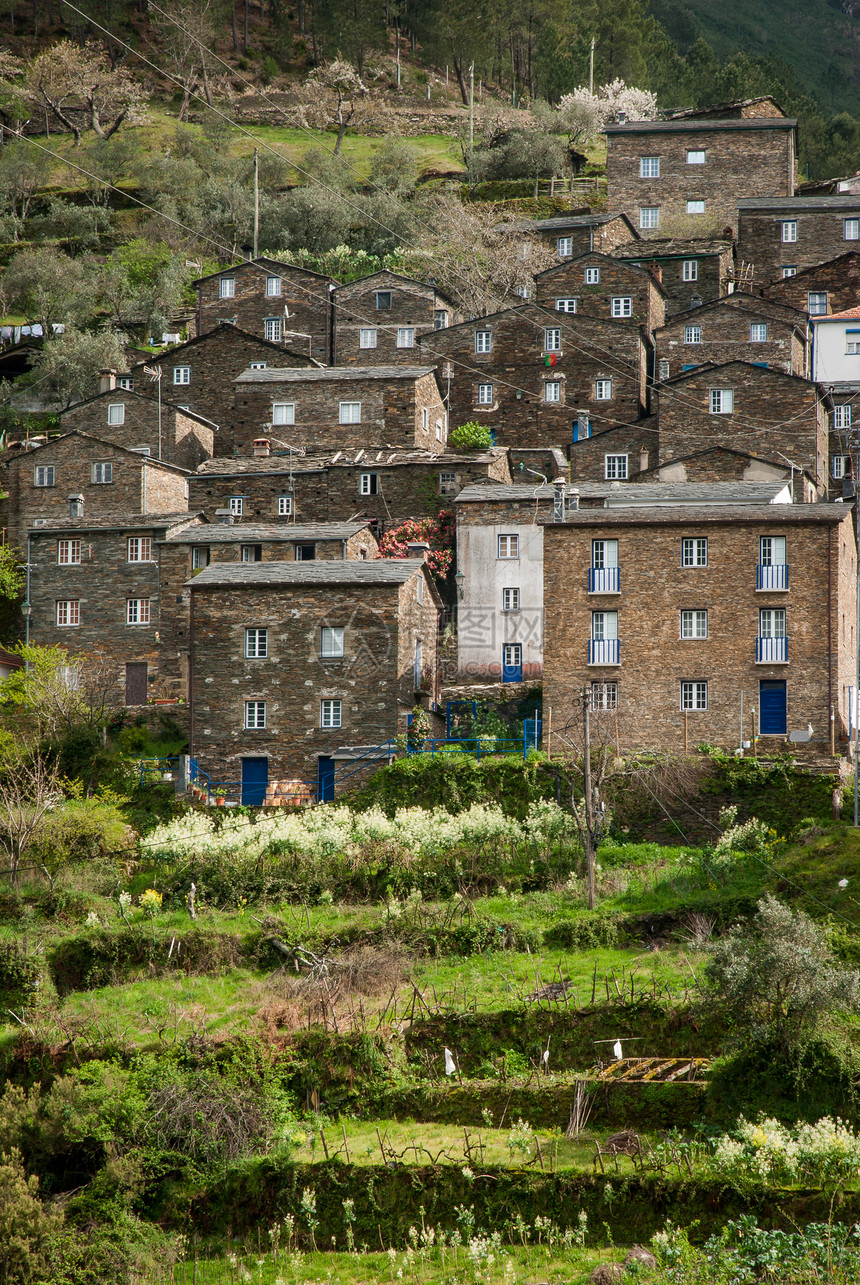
255,779
772,708
325,780
512,663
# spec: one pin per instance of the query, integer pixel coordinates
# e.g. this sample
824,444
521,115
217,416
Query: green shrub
471,436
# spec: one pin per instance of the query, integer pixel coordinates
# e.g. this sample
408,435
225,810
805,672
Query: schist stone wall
323,410
572,234
40,482
722,464
654,658
616,455
124,418
784,236
730,330
373,681
597,285
378,319
529,373
276,301
825,288
669,173
690,272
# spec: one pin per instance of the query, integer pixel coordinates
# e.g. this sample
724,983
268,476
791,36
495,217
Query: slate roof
798,204
639,493
248,533
265,575
685,126
130,522
332,374
783,514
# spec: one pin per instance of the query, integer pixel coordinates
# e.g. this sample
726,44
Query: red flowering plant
438,532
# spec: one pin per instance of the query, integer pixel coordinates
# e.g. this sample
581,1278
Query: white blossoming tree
582,114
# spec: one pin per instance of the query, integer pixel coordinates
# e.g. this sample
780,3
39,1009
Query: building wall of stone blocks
820,237
303,306
414,305
602,237
720,464
636,443
740,162
725,332
713,271
618,279
185,441
261,491
838,279
655,660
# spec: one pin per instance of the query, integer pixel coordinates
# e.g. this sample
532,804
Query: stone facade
378,319
598,285
723,464
574,234
679,173
39,483
656,667
128,419
616,454
800,232
825,288
505,373
275,301
691,272
342,407
736,328
387,612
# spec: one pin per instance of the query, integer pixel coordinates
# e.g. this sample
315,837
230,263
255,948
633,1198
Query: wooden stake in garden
588,829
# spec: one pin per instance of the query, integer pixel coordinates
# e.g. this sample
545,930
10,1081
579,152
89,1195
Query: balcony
604,651
772,579
604,580
771,651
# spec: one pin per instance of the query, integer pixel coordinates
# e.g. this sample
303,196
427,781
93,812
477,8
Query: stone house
825,288
683,173
539,378
138,422
692,271
783,236
836,366
299,666
98,478
341,407
199,374
715,625
573,234
276,301
724,464
598,285
739,327
378,319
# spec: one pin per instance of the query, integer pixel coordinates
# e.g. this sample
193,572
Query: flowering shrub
751,836
823,1154
150,901
438,532
743,1253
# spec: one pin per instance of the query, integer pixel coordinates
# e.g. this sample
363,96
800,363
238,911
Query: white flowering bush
824,1154
582,114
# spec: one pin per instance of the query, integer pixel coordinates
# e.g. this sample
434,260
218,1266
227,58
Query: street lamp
460,580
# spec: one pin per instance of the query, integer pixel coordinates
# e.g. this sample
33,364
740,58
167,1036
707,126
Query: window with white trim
425,416
694,624
350,413
182,374
694,551
604,695
447,483
483,340
851,229
615,468
603,390
816,303
622,306
568,304
690,270
330,713
485,394
283,413
789,270
696,207
649,166
552,390
772,551
722,401
771,622
68,553
255,715
367,337
139,548
419,589
68,612
259,365
509,546
552,340
251,553
116,414
256,644
789,230
331,642
405,336
592,276
565,247
285,506
102,473
199,557
237,505
273,329
383,300
43,475
840,466
604,626
852,342
604,554
695,156
273,287
692,334
694,695
510,600
842,415
649,216
368,484
125,381
758,333
137,611
440,319
227,288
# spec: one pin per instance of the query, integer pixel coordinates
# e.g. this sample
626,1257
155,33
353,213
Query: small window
331,641
182,374
273,287
368,483
330,713
695,157
440,319
43,475
485,394
649,166
552,340
772,551
842,415
622,307
447,483
140,548
367,337
695,207
615,468
852,342
419,589
259,365
649,216
424,416
694,695
227,288
237,505
199,557
758,333
68,612
722,401
383,301
789,270
350,412
816,303
694,624
604,626
840,466
256,644
68,553
283,413
565,247
510,600
772,622
663,369
405,336
603,390
273,329
694,551
604,696
126,381
255,715
692,334
552,390
102,474
789,230
509,546
604,554
483,341
252,553
285,506
440,430
306,553
690,270
137,611
851,229
565,305
512,655
116,414
592,276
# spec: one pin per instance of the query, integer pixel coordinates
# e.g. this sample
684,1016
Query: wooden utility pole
586,786
256,201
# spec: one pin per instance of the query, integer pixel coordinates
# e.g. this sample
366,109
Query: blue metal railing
773,577
771,651
604,580
604,651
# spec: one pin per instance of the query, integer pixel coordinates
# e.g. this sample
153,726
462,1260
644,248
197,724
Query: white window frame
43,475
621,306
440,318
332,642
592,276
485,395
772,620
789,270
273,329
649,166
690,270
842,416
721,401
367,337
695,156
694,695
692,334
116,414
788,231
447,483
694,623
349,413
552,339
564,245
852,346
181,375
248,553
507,547
851,229
331,713
285,506
694,551
227,288
68,553
368,484
405,336
237,505
696,207
758,332
511,599
615,468
139,548
604,695
604,555
256,716
483,341
649,216
138,611
603,390
283,414
102,473
770,547
273,287
567,304
259,365
256,644
199,557
68,614
125,381
838,468
819,309
604,626
552,390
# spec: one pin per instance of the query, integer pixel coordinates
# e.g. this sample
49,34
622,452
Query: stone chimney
76,506
643,458
223,517
107,381
420,549
262,446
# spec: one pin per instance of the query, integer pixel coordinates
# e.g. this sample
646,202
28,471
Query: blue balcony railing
604,580
604,651
772,578
771,651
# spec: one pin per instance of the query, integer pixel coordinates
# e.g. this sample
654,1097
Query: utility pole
397,47
471,106
855,712
256,201
591,68
586,787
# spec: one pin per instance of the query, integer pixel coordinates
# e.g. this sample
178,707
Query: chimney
223,517
643,458
107,381
622,118
419,549
262,446
76,506
656,272
558,488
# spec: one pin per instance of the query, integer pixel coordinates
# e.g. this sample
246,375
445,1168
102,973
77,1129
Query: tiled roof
671,247
263,575
848,315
